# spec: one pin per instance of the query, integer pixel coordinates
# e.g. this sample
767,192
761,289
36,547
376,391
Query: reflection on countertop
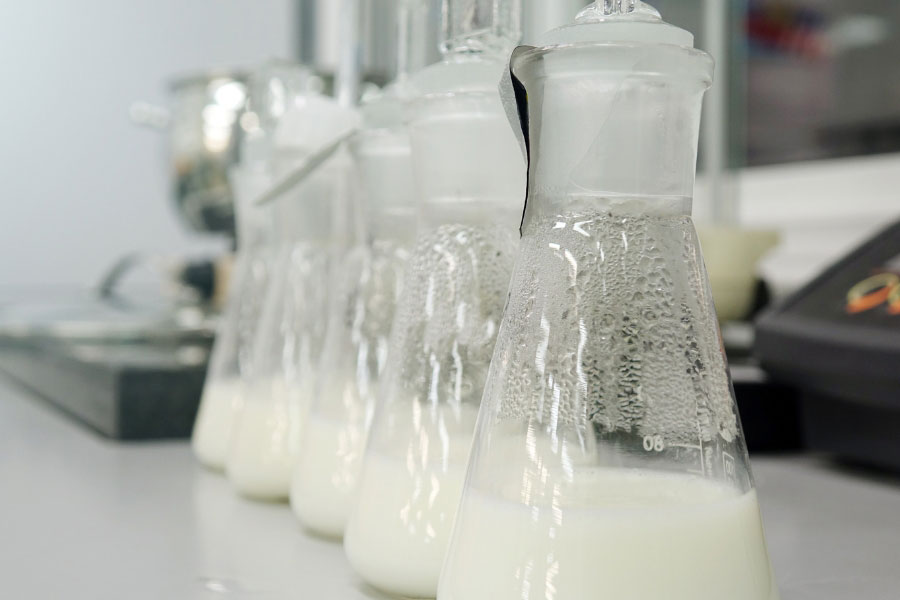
91,518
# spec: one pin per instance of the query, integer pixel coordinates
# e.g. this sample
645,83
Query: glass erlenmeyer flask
231,355
609,459
265,436
367,282
470,182
264,439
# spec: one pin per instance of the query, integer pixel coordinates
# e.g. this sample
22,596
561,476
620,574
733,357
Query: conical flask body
441,346
265,436
609,457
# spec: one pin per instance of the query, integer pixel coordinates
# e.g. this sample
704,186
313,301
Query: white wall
81,185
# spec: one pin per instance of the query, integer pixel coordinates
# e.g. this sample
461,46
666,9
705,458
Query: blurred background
85,185
124,118
808,128
810,118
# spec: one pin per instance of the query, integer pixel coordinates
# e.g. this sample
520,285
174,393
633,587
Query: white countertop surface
82,517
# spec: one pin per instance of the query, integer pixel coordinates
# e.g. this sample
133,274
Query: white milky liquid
613,534
261,450
325,475
212,427
399,529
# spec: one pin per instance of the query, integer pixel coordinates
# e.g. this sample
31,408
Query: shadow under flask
469,178
609,460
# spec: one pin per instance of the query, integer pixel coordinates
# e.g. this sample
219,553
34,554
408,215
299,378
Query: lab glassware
609,459
367,283
469,178
272,88
231,357
311,220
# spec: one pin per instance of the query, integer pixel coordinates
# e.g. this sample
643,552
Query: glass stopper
616,7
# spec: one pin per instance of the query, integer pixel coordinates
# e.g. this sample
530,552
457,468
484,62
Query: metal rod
348,75
722,198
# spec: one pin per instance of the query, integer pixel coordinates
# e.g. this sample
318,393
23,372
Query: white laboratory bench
82,517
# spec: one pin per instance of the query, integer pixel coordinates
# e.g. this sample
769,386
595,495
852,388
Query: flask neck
500,214
543,209
323,209
393,224
612,121
466,164
383,160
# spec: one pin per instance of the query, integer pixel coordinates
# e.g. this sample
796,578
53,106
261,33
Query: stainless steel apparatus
204,144
204,130
204,119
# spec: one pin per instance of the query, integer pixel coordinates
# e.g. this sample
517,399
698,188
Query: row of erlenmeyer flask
608,450
301,405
